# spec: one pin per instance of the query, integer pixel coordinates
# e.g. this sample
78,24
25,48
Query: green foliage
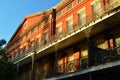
2,42
7,69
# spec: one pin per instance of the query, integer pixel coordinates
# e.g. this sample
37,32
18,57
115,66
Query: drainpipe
53,22
53,33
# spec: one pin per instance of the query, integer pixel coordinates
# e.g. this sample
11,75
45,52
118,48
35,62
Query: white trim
93,2
70,17
59,24
21,47
16,50
38,36
84,8
25,25
31,39
46,30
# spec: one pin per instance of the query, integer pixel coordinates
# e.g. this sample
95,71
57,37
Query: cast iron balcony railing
73,66
102,56
77,26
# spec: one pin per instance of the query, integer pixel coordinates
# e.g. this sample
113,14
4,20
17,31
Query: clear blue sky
12,12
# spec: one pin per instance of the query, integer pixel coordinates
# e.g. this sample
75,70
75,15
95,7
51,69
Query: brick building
74,40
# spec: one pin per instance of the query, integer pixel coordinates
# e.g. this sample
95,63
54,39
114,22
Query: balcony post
55,64
33,65
90,76
17,71
87,34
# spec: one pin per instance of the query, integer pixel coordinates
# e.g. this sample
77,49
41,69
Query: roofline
33,15
26,17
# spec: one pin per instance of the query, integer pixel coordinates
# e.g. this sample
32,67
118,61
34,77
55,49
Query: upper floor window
69,23
17,42
59,29
21,51
46,37
12,56
79,1
25,49
46,20
32,31
21,39
39,25
16,56
82,17
31,45
112,1
38,42
26,35
69,6
96,9
59,14
25,25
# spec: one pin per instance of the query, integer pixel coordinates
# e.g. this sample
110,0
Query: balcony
73,66
103,56
106,18
102,59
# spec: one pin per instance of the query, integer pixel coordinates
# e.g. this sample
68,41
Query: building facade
75,40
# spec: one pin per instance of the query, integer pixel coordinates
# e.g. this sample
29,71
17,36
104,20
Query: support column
87,33
33,65
90,76
17,71
55,64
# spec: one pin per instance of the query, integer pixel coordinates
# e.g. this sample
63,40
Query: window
21,52
46,20
96,9
39,26
32,31
117,40
46,37
70,24
59,14
100,43
26,35
21,39
70,58
31,45
69,6
82,17
16,42
16,56
38,42
84,58
25,25
59,29
112,1
11,56
25,49
84,53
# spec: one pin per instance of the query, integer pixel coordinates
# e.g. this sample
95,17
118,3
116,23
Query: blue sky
12,12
